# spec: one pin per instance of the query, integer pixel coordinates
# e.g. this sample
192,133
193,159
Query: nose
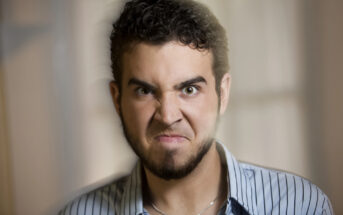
168,111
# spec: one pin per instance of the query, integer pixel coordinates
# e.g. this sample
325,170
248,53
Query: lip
170,138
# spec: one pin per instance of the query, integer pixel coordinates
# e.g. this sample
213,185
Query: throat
212,203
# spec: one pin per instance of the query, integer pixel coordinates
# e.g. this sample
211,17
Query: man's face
168,106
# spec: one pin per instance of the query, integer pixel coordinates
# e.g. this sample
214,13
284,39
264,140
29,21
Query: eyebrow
190,82
135,81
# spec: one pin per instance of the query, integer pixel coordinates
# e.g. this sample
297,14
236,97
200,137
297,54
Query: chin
166,167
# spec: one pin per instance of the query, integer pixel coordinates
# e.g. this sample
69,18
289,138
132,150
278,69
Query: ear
224,92
115,95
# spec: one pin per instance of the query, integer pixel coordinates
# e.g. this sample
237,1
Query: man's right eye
141,91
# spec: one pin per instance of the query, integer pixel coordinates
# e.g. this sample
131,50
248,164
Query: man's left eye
190,90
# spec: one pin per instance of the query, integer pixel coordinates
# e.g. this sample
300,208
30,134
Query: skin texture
169,109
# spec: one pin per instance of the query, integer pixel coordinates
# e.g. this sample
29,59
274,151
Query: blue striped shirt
252,190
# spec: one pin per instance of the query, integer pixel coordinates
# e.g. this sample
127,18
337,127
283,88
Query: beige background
60,135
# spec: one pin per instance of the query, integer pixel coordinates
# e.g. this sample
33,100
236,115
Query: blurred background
60,136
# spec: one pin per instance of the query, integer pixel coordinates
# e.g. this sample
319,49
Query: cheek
136,116
202,113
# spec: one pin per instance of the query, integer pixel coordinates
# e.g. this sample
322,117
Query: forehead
171,62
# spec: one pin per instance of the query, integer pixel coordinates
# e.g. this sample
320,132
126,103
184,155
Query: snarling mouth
170,138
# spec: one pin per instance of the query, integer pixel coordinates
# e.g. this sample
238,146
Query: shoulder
102,200
276,190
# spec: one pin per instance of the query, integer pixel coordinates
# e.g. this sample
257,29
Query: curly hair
160,21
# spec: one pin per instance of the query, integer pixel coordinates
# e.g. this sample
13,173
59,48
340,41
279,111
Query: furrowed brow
135,81
190,82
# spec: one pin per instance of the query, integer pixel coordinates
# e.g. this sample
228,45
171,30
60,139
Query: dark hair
160,21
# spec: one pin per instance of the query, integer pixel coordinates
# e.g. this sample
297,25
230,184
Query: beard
166,167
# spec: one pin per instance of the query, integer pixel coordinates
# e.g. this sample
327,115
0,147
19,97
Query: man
170,64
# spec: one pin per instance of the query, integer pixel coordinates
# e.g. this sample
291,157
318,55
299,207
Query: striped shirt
253,190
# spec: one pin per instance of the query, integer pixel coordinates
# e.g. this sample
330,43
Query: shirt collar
240,188
132,199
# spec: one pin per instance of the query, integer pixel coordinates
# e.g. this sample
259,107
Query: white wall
325,66
63,132
265,122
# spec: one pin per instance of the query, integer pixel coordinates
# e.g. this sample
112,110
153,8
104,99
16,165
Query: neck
191,194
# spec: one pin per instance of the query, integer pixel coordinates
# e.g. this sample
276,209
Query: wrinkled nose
168,111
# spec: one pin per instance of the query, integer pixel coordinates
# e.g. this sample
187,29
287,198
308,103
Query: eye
189,90
141,91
